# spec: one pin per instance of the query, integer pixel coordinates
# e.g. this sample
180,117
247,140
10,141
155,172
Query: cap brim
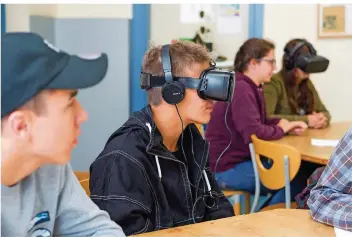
81,73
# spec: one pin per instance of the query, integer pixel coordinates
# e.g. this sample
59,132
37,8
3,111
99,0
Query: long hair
304,98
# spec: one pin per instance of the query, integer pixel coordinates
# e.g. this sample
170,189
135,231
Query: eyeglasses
271,61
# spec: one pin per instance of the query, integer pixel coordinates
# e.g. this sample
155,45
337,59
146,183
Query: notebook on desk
324,142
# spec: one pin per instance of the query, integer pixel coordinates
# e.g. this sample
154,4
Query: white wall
283,22
165,25
17,15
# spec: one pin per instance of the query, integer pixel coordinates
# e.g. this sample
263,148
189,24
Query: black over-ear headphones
307,62
172,91
215,84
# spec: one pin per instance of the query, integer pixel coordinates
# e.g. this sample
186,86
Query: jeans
241,177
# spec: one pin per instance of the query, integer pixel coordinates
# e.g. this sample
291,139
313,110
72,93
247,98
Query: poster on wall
190,13
334,20
229,19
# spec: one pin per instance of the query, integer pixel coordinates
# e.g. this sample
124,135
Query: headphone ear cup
173,93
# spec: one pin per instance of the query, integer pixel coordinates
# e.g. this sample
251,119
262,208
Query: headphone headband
291,53
166,61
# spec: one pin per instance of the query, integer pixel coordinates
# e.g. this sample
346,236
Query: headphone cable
230,142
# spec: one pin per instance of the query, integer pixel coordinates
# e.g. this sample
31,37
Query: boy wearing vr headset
40,116
291,94
153,172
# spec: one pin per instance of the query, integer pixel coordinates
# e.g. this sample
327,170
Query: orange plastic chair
200,128
237,205
286,163
83,178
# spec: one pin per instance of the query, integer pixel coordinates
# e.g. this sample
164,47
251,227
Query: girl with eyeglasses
231,126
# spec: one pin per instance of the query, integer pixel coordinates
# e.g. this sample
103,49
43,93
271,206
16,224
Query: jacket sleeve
222,207
330,201
320,107
272,121
120,186
247,120
77,215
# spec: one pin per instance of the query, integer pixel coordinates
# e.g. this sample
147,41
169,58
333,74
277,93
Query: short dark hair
37,104
184,55
253,48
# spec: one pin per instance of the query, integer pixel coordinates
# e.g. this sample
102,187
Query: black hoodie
144,187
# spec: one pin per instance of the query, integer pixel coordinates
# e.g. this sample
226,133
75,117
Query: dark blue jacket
144,187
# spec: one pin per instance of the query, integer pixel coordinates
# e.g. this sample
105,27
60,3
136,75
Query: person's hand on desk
298,128
317,120
295,127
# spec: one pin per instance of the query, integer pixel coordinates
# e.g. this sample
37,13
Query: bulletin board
334,20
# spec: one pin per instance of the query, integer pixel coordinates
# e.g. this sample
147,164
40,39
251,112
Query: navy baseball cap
30,64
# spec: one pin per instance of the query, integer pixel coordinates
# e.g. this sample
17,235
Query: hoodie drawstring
156,157
207,182
159,169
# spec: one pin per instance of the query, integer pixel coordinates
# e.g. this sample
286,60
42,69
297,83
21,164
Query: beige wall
17,15
282,22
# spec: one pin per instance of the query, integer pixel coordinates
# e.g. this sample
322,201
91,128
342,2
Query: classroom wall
18,15
103,28
283,21
165,26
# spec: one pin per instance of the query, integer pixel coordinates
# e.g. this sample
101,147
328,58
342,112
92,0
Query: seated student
246,115
40,120
291,94
330,201
153,172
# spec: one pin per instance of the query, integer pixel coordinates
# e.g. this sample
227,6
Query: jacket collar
193,142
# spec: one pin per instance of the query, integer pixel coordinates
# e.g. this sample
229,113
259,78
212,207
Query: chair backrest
200,128
274,178
83,178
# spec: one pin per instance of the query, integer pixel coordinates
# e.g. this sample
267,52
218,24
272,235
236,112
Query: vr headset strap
148,81
296,48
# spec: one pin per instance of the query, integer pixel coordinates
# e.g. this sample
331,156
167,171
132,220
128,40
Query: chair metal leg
287,182
257,181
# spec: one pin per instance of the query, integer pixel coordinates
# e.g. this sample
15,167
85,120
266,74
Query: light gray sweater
51,202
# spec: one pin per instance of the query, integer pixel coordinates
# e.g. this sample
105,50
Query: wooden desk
316,154
278,222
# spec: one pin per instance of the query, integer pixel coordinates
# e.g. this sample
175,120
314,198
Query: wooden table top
278,223
316,154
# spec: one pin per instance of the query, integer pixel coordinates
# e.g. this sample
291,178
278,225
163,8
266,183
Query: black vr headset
214,83
308,62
